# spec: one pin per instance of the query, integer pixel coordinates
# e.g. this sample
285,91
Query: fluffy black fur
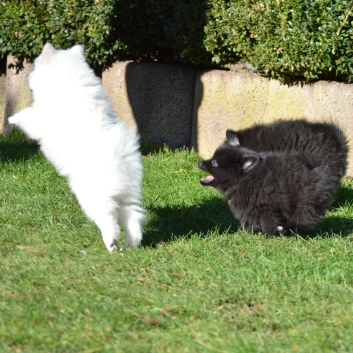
321,143
270,192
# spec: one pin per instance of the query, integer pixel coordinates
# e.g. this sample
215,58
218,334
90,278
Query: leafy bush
28,25
306,38
168,31
164,30
301,37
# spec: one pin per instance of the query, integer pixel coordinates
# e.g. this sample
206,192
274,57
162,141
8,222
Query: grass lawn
197,284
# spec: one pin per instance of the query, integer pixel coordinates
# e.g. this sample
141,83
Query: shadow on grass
332,227
214,215
335,225
344,196
148,147
167,223
15,146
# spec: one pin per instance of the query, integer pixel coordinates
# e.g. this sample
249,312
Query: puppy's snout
200,164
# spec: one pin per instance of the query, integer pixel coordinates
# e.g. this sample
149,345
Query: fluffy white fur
77,129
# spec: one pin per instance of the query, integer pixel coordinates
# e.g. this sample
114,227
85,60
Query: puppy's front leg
28,122
18,118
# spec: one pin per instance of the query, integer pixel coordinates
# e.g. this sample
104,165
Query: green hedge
297,38
27,25
165,31
309,38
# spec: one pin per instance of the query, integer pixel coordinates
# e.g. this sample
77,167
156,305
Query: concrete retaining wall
2,101
239,99
182,105
158,99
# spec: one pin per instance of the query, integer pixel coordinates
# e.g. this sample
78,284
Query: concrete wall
158,99
2,101
182,105
239,99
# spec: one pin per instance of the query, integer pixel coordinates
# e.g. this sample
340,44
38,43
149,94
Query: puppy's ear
78,49
232,138
250,161
48,54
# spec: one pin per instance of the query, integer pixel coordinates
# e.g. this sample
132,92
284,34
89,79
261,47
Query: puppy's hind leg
131,218
251,227
107,221
272,227
102,210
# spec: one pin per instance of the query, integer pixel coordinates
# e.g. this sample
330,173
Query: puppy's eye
214,163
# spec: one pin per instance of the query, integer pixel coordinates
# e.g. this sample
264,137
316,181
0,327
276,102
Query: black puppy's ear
249,162
232,138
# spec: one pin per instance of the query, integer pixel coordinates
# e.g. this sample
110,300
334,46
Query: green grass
197,284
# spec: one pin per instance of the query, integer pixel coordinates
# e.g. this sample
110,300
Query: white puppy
77,129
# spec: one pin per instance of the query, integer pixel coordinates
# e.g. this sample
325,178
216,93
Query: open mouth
207,180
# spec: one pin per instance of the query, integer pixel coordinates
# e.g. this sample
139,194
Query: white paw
12,120
280,228
113,247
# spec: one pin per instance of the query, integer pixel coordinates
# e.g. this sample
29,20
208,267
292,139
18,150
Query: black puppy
270,192
321,143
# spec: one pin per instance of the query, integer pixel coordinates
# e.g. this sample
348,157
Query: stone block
157,98
18,94
236,100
